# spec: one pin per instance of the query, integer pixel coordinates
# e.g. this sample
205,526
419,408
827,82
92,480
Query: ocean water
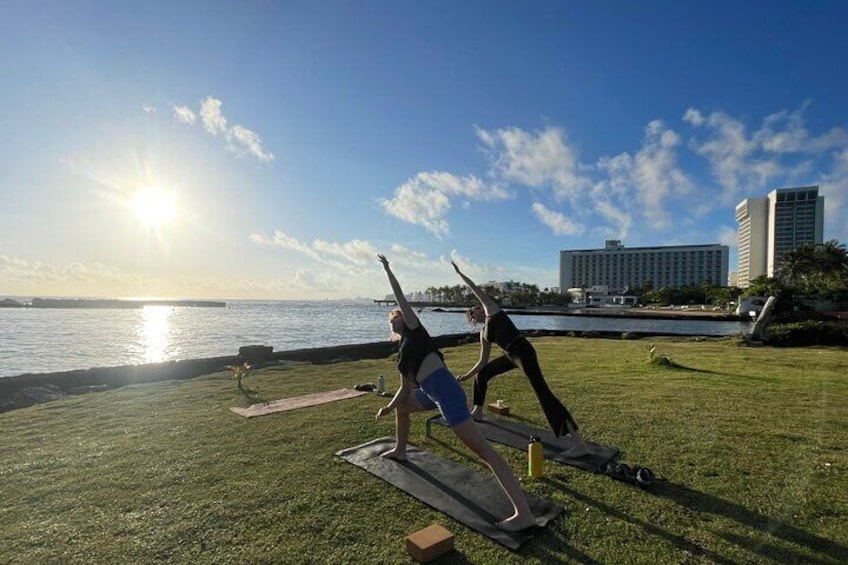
34,340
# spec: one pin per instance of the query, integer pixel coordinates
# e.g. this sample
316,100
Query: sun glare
153,207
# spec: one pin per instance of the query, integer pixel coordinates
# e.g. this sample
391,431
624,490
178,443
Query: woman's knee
473,438
407,406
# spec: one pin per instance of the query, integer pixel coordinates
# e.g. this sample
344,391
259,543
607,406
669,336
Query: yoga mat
472,498
517,434
284,404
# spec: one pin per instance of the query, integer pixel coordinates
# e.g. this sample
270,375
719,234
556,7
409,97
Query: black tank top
415,345
500,330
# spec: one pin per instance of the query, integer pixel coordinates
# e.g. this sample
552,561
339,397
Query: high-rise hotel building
772,226
618,267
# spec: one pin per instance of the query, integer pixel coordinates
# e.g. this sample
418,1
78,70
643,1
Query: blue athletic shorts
441,390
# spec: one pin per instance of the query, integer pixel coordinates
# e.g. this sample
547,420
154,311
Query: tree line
813,271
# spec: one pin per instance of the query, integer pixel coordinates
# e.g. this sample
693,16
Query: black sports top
415,345
500,330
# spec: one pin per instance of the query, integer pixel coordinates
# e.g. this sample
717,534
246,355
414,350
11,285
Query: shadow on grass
451,558
251,396
701,502
677,541
830,551
674,366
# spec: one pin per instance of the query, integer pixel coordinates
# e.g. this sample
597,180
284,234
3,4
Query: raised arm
410,318
485,350
489,305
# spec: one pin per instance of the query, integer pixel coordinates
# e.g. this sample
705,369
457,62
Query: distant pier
108,303
386,302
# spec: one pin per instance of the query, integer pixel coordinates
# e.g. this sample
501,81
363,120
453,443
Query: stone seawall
28,389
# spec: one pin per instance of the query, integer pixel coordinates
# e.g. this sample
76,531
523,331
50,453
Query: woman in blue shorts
420,362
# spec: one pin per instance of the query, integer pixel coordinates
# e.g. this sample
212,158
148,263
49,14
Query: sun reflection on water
155,332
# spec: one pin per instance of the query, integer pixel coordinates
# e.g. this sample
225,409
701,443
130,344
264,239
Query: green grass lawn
751,442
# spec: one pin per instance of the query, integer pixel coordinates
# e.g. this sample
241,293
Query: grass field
751,442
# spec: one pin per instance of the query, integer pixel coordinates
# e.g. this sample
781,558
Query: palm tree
815,269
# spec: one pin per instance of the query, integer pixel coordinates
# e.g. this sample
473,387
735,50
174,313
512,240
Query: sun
153,207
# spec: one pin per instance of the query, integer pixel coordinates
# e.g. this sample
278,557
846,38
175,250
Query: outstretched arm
489,305
410,318
485,350
400,396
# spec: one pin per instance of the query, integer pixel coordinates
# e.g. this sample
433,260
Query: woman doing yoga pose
518,352
420,363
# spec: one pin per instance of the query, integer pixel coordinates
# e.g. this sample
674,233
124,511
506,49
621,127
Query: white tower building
771,227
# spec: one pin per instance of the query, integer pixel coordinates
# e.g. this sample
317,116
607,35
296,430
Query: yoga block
429,543
502,410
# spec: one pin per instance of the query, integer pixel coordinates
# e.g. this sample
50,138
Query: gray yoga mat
472,498
517,434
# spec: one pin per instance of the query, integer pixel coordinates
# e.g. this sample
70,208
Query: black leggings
522,354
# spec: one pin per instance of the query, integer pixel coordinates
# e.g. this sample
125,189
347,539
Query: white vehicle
751,305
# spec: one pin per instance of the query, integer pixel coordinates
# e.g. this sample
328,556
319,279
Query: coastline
28,389
623,312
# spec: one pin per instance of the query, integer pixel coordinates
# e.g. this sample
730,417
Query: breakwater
44,340
29,389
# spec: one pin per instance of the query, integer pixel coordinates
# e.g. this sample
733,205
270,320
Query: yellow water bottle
535,458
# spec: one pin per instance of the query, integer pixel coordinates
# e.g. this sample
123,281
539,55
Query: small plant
657,358
240,372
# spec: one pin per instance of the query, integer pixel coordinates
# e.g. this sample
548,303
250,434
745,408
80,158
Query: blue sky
260,149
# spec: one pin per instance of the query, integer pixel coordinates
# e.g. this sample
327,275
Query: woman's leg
402,411
522,516
481,381
560,419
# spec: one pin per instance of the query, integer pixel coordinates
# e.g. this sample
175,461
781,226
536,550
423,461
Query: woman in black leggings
518,352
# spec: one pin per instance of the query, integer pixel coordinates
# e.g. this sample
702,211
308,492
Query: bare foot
516,523
477,413
394,454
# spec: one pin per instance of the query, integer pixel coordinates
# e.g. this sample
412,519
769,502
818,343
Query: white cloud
420,206
619,170
240,140
656,174
357,251
745,163
694,117
17,272
621,218
210,114
786,132
834,187
280,239
149,109
558,223
426,198
246,142
729,152
649,180
728,236
184,115
539,160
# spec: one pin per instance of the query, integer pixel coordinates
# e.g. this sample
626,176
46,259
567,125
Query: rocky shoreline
28,389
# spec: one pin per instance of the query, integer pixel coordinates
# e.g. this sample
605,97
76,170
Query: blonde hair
470,314
393,335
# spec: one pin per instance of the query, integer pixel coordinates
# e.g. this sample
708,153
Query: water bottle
535,458
381,384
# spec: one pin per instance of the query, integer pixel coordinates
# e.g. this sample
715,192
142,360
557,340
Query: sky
271,149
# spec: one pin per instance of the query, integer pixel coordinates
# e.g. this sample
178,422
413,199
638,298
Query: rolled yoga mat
472,498
517,434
